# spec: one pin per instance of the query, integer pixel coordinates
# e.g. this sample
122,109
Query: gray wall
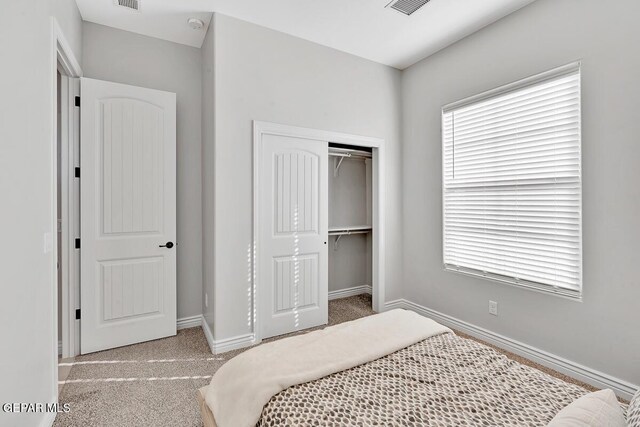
349,192
601,332
124,57
350,264
208,175
70,21
261,74
27,306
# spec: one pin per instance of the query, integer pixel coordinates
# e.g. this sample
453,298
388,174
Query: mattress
444,380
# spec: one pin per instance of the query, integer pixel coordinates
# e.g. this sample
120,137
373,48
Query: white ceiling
361,27
163,19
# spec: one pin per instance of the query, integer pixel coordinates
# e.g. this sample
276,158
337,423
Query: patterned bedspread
445,380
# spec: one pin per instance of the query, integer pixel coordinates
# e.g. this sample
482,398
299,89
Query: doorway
350,220
65,73
128,294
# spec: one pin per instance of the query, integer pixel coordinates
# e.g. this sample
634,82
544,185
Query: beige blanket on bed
241,387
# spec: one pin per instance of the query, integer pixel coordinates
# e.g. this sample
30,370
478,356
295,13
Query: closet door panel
293,226
294,281
296,193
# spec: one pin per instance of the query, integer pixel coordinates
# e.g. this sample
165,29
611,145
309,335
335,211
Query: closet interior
350,220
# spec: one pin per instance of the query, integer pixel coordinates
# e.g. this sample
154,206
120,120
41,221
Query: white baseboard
233,343
349,292
575,370
227,344
207,333
183,323
189,322
246,340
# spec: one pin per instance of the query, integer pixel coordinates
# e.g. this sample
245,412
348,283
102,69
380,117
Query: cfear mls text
35,407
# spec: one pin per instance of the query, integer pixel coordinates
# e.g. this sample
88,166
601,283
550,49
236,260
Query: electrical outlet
493,308
206,300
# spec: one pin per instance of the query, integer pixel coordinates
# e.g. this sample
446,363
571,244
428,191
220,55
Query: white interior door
128,213
293,257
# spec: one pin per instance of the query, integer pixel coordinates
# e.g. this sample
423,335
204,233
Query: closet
350,220
318,228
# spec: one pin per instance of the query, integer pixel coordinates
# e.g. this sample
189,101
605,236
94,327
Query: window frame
568,69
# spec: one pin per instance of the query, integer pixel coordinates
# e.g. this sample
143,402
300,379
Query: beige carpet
155,383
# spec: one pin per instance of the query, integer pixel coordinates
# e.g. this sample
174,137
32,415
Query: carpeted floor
155,383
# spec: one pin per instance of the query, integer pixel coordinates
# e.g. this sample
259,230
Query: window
512,183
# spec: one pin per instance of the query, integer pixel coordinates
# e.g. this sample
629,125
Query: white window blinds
512,183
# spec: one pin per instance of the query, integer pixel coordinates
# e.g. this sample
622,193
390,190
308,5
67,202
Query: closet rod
339,236
355,154
337,163
346,232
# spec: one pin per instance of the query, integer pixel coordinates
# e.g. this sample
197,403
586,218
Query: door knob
167,245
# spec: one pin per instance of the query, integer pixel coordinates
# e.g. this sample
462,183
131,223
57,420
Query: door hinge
77,172
77,243
77,101
77,314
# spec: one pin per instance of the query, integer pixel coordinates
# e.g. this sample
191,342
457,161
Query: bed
391,369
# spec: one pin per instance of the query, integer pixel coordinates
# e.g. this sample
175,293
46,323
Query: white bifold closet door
128,215
293,223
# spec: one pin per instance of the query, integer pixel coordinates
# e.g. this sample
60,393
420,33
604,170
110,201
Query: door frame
261,128
70,201
61,53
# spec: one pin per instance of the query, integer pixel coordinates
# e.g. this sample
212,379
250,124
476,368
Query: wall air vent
129,4
406,6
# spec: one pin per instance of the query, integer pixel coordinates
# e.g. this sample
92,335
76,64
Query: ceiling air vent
405,6
129,4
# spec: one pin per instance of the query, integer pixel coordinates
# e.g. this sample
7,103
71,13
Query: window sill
575,296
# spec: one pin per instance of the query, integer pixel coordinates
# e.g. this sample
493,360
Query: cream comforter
241,387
